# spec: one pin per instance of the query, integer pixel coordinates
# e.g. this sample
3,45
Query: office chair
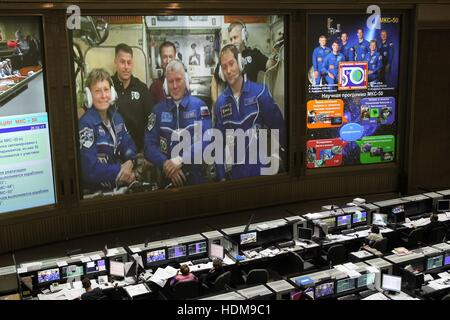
437,235
296,265
414,239
336,254
186,290
221,283
381,245
256,276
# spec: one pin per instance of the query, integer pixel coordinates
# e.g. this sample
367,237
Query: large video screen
26,174
174,101
352,90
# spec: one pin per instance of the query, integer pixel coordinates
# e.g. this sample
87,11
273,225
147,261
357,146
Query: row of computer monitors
389,282
358,218
151,258
431,263
155,257
328,288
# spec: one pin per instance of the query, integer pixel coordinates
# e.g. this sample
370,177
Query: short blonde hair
97,75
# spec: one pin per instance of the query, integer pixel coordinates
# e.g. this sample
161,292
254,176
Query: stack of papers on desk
161,275
349,269
268,252
313,216
73,294
376,296
136,290
428,277
439,284
60,295
444,275
227,260
400,251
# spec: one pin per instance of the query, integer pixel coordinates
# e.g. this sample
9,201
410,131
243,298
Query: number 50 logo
353,75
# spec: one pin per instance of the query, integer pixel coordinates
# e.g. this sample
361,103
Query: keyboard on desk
418,217
286,244
362,228
347,231
200,261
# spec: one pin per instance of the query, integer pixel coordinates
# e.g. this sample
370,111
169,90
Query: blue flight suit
386,51
255,109
375,65
348,51
319,55
361,50
331,65
101,156
168,118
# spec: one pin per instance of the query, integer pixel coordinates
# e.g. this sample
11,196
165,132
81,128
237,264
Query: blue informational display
344,220
26,175
177,251
95,266
447,259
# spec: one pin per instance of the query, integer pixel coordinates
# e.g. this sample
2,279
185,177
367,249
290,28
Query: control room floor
173,229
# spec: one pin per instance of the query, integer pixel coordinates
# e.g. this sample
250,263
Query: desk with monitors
36,276
334,221
438,256
407,207
334,283
261,234
168,251
417,261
